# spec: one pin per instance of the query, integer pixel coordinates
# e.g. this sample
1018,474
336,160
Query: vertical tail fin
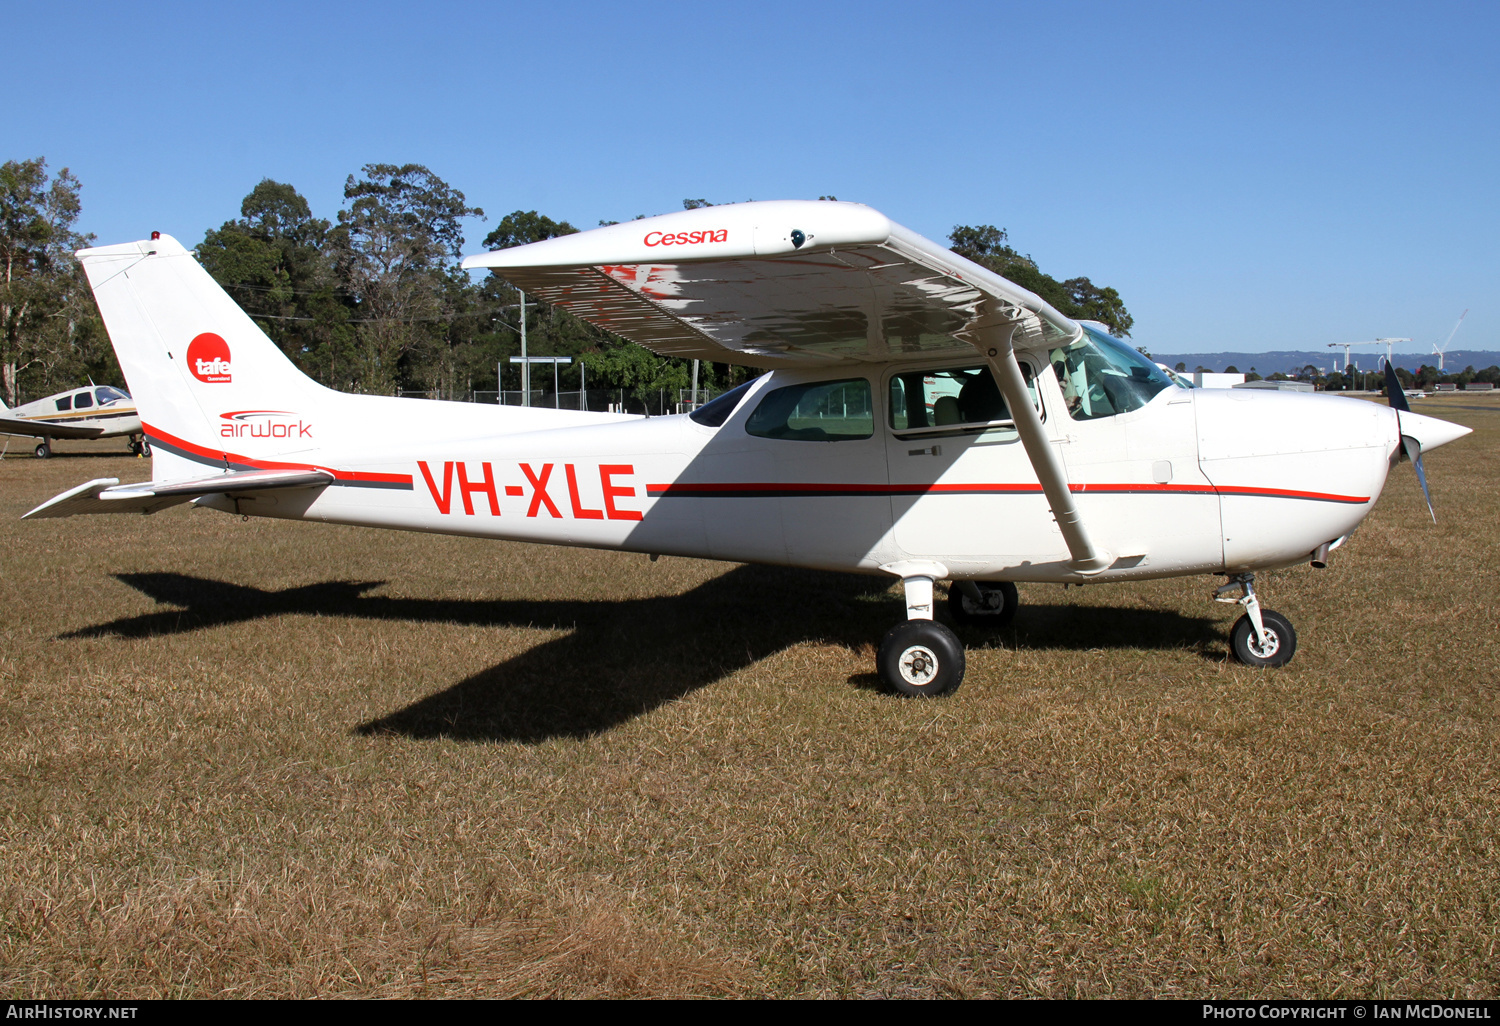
208,382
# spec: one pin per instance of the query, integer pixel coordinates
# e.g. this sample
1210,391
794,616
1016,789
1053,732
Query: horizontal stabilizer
107,495
45,429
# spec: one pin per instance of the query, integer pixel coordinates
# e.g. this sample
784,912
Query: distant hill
1287,360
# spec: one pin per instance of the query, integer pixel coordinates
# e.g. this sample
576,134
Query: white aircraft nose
1431,432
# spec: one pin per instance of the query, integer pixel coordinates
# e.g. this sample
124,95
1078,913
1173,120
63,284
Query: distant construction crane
1439,352
1387,342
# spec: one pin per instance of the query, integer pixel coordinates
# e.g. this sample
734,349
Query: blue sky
1249,176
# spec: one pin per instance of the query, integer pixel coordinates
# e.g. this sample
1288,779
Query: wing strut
993,340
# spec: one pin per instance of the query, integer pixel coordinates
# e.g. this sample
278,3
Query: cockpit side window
818,411
83,400
1101,376
955,398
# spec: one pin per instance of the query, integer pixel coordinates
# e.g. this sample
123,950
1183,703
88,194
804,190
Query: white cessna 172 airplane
98,411
923,418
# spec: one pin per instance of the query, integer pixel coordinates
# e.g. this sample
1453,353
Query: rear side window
820,411
717,410
65,403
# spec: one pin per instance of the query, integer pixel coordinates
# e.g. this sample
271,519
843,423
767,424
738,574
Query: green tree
525,226
275,262
397,247
50,334
495,317
1079,298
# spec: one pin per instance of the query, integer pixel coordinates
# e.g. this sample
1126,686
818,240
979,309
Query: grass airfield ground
277,759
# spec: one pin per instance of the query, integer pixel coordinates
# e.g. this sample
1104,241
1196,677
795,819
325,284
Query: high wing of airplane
922,418
95,411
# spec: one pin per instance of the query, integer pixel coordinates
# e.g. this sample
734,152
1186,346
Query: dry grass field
254,759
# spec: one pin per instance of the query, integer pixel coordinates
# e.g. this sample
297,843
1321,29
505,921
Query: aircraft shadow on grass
621,659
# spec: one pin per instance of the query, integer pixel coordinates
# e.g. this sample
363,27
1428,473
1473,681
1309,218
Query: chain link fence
648,402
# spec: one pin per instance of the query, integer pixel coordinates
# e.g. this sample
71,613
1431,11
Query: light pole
555,361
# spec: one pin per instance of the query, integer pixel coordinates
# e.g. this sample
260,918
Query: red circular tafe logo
208,358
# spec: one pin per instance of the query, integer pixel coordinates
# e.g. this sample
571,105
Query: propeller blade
1393,392
1409,445
1413,450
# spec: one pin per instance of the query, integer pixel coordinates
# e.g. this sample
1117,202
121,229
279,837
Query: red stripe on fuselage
216,457
794,490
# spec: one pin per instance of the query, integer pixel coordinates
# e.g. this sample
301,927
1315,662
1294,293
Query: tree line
1351,379
373,300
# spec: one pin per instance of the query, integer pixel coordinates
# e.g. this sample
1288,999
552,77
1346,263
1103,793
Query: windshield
109,394
1102,376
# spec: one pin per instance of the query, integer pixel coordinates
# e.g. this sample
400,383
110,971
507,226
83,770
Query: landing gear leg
1262,637
920,656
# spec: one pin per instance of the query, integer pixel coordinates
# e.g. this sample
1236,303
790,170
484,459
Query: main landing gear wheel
921,657
995,607
43,451
1278,650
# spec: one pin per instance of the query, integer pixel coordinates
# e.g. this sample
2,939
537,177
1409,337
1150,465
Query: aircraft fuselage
1196,481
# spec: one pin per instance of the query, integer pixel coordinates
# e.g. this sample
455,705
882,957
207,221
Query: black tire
141,448
1246,646
921,657
43,451
997,609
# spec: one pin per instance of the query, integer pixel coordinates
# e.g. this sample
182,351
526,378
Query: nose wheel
1273,648
1262,638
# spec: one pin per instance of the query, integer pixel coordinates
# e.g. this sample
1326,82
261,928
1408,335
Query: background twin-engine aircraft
923,418
98,411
